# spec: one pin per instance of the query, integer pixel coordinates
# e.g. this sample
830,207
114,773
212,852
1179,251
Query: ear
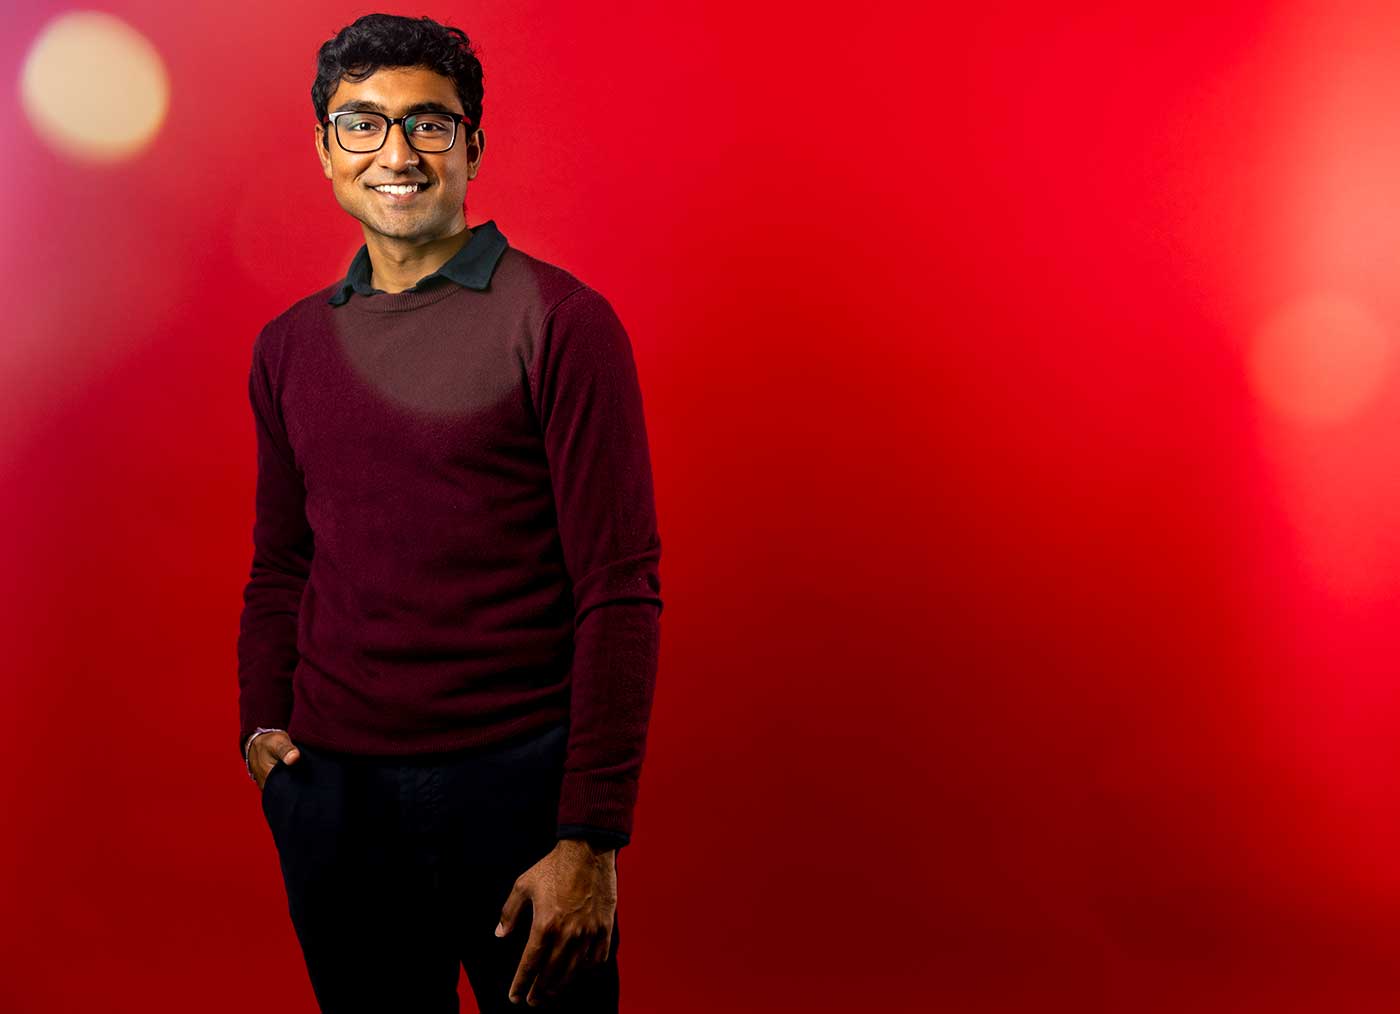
476,148
321,152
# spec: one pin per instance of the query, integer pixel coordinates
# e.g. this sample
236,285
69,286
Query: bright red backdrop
1025,649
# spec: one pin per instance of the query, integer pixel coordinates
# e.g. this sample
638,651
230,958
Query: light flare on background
94,88
1320,359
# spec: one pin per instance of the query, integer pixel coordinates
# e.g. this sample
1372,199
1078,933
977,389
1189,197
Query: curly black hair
391,40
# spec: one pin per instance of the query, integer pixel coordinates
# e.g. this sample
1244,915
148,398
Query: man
449,638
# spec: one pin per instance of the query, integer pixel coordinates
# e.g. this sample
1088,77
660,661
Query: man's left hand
573,895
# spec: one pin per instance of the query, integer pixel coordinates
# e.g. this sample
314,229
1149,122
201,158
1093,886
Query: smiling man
449,636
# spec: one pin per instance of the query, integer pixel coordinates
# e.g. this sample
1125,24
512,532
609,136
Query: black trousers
396,871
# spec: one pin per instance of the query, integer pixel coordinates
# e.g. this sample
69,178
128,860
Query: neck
396,264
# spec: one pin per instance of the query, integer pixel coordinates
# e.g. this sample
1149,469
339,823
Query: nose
397,152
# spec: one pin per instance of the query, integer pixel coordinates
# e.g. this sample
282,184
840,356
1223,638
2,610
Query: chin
382,219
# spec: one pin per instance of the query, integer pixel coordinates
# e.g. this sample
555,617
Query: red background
1025,648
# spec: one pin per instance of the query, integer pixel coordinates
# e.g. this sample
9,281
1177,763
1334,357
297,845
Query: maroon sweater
455,544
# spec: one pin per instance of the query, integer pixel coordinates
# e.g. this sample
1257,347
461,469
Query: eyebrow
365,105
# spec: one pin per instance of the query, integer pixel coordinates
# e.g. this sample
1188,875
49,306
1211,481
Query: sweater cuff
593,800
596,836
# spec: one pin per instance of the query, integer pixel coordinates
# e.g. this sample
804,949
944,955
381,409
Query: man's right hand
267,749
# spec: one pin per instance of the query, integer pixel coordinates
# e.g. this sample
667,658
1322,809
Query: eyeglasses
360,132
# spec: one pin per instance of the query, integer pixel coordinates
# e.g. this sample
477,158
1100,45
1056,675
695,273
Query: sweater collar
470,266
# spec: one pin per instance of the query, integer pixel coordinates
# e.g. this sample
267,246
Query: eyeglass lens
365,131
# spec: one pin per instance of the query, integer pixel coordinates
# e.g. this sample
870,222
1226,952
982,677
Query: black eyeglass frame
457,118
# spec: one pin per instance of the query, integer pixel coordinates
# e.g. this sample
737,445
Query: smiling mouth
405,191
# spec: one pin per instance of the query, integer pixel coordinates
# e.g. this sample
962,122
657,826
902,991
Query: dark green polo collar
470,266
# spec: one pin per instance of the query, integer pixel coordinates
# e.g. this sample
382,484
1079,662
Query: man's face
436,210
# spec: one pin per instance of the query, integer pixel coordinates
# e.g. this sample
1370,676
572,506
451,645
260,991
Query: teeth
397,190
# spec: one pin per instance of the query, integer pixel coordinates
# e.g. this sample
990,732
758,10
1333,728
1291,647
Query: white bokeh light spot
94,88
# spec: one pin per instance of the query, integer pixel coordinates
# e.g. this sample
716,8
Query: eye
430,124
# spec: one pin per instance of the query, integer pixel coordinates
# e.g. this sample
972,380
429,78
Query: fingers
510,911
269,748
530,963
602,948
274,746
557,972
563,940
518,893
265,756
266,770
552,960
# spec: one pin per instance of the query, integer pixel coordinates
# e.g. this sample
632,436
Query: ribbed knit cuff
590,800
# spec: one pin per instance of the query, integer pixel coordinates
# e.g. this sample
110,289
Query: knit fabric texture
455,541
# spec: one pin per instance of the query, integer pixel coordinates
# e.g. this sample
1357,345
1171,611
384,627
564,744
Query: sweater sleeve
589,404
282,551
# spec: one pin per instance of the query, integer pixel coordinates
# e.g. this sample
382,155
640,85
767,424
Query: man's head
394,64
